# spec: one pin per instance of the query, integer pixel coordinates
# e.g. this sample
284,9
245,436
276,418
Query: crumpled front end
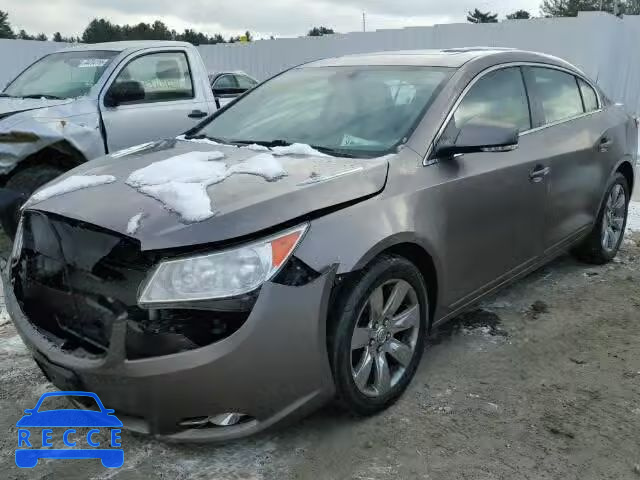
26,133
72,293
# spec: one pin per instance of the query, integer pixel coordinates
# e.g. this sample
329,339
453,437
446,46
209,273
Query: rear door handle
538,173
197,114
604,144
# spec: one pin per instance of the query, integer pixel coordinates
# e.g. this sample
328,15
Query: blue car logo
31,448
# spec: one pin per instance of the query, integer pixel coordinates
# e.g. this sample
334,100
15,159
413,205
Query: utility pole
364,21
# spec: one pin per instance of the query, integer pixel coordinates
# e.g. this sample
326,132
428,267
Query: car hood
10,106
243,204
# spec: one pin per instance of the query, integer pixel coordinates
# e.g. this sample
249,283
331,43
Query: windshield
61,75
361,111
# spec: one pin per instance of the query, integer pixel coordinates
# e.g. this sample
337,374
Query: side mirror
123,92
478,138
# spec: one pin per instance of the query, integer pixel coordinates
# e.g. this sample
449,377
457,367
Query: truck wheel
25,182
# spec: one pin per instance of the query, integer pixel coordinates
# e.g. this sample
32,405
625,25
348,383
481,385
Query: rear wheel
378,337
604,241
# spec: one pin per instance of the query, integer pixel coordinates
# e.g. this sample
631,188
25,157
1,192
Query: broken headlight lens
220,275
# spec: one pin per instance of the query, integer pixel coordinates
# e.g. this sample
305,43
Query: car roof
127,45
449,57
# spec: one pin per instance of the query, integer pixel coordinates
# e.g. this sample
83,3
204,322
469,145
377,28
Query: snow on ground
180,183
71,184
633,221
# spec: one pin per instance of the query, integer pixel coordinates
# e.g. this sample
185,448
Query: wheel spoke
620,200
396,297
360,338
401,352
611,235
617,224
362,372
376,305
405,320
382,377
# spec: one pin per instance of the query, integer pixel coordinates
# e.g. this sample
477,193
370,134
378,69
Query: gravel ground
540,382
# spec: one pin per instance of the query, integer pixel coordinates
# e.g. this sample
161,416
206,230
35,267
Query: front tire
377,338
603,243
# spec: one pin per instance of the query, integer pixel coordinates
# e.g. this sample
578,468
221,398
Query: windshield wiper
202,136
42,95
6,95
263,143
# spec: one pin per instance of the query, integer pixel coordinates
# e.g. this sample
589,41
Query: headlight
220,275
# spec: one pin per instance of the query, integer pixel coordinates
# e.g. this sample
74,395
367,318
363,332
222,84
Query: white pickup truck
84,102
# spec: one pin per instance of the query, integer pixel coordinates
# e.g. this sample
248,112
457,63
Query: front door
172,104
495,201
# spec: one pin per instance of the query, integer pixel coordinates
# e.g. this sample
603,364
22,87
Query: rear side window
557,93
225,82
498,98
164,76
589,96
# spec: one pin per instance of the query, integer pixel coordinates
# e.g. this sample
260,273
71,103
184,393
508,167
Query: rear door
173,101
495,208
574,136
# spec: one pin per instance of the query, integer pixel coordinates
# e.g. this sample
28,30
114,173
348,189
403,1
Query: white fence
605,47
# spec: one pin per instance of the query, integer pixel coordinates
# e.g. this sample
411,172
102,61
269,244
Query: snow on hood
298,149
207,198
70,184
46,123
180,183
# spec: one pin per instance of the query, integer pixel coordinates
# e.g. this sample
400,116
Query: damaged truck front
84,102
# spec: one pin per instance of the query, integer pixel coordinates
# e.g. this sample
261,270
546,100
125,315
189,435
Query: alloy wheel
384,339
613,218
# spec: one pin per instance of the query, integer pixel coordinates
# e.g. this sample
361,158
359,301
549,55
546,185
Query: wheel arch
626,169
418,252
60,154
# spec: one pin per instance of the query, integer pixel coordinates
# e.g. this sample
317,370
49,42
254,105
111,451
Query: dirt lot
541,382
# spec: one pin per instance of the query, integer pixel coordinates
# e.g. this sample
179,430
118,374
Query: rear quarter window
589,96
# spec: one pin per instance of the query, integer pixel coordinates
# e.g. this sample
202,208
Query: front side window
499,99
61,75
588,96
245,82
225,82
557,93
363,111
163,76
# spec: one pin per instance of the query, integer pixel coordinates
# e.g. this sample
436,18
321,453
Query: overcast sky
281,18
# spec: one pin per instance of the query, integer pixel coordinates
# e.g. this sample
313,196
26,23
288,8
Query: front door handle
604,144
538,173
197,114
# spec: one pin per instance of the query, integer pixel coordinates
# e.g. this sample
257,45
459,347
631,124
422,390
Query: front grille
73,280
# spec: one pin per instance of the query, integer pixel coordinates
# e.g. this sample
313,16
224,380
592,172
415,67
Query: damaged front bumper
274,367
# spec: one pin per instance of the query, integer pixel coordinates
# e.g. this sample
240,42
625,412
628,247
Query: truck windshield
61,75
359,111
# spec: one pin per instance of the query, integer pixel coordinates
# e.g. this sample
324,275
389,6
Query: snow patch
134,223
633,220
264,165
189,200
180,183
204,141
71,184
189,167
256,148
298,149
